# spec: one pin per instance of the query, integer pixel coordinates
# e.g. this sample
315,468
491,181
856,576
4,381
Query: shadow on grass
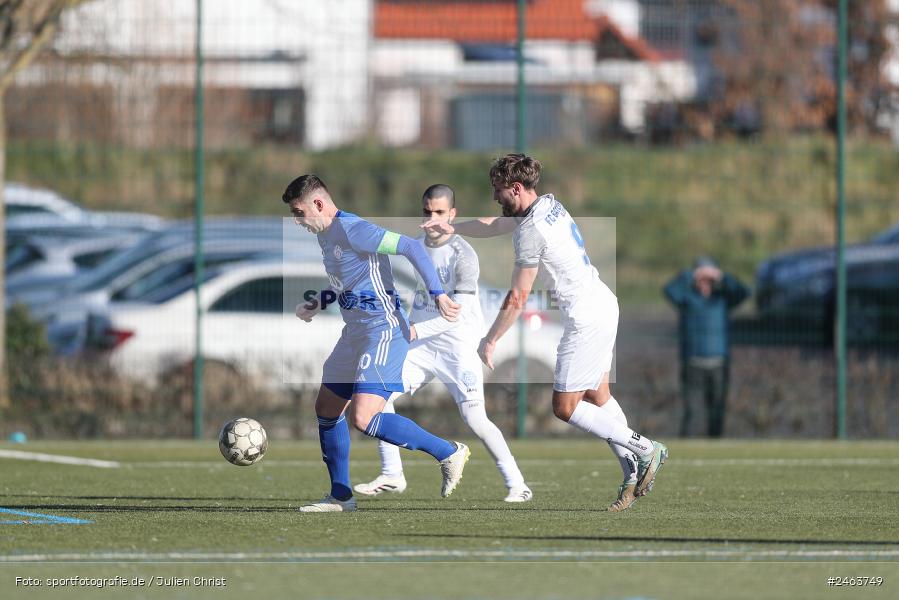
295,503
109,505
164,498
674,540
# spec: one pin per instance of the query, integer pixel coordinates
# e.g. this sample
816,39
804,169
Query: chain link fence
704,127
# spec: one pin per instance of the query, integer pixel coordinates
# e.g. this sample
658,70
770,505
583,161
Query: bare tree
26,28
782,67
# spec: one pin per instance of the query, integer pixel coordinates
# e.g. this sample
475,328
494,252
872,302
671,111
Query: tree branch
42,32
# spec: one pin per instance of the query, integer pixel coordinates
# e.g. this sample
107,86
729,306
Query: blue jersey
360,277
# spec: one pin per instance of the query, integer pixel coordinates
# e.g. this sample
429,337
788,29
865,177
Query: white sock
614,409
391,462
475,416
626,457
592,419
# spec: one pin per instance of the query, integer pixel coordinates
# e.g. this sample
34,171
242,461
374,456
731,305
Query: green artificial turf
725,520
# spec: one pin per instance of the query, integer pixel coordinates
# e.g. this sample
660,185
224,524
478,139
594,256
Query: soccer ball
243,441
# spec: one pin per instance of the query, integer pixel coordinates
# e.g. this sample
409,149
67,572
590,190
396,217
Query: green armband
389,243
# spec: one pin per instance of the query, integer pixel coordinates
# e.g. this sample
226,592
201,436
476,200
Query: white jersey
548,238
457,266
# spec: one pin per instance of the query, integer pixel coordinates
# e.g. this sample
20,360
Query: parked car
36,294
45,259
32,208
798,288
21,200
44,253
157,263
249,326
174,235
39,269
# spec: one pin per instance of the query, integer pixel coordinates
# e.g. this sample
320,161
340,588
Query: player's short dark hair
515,167
301,187
440,190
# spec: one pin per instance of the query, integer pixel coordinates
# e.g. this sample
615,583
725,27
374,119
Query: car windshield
173,270
89,260
109,269
890,236
154,244
14,210
19,256
176,288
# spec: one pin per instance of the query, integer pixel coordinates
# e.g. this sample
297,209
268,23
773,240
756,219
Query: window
172,290
258,295
157,277
20,256
890,236
270,294
89,260
297,288
14,210
165,273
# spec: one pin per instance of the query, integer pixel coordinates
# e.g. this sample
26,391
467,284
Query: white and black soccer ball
243,441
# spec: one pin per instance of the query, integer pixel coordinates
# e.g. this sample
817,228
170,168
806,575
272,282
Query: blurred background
703,127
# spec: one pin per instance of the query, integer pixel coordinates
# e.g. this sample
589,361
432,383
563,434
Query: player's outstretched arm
414,252
482,227
365,236
522,283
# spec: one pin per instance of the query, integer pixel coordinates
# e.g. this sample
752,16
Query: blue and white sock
406,433
334,435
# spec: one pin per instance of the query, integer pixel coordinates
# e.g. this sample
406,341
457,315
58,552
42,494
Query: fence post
198,229
521,146
840,334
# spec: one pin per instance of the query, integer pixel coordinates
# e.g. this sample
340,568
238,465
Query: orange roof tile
496,22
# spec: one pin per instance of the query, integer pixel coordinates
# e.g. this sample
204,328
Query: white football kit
548,238
447,350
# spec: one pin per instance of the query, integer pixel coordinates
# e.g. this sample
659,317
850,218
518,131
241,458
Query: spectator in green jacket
703,296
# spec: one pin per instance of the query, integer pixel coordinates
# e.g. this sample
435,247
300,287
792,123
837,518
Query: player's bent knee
562,412
475,416
361,420
563,409
598,396
328,404
360,416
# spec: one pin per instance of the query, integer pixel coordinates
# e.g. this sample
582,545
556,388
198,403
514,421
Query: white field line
687,462
448,555
56,458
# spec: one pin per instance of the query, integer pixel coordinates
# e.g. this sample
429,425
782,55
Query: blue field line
40,518
29,522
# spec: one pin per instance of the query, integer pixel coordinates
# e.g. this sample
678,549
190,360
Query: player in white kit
448,351
547,239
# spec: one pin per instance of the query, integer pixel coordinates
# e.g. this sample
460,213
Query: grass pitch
725,520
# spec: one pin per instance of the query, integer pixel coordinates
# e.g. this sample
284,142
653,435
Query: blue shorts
367,359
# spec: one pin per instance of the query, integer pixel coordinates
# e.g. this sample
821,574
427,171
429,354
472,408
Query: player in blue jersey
366,365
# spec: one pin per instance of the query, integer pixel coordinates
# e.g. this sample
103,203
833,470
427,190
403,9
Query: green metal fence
705,127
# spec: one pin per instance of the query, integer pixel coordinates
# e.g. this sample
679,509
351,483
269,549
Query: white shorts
585,352
461,372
